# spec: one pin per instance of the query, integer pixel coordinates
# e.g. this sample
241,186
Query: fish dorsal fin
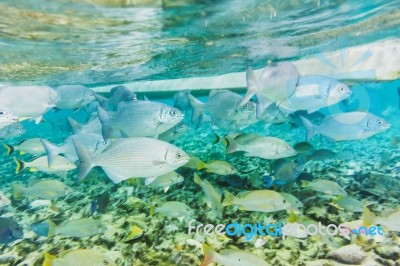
66,252
213,93
243,194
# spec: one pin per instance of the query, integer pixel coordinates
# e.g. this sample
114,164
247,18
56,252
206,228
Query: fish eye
379,122
105,262
179,155
172,112
246,106
1,197
1,113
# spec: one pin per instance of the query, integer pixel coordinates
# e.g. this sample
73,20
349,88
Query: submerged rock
352,254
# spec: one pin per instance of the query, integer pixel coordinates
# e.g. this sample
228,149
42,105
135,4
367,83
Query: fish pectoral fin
166,189
312,111
158,163
38,119
23,118
115,177
149,180
32,169
242,208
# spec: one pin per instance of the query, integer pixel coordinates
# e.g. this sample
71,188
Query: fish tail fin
197,179
229,198
105,120
76,127
252,86
52,228
209,255
216,139
52,151
48,259
85,159
197,107
368,217
201,120
18,190
201,165
10,149
310,128
292,217
231,146
20,165
269,180
103,101
262,104
304,183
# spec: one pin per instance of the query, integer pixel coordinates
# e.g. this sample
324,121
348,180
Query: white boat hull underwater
377,61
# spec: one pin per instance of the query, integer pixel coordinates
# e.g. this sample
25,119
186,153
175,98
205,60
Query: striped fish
132,157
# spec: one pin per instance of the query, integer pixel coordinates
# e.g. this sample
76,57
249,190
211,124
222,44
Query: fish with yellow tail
213,196
389,221
231,257
258,200
217,167
80,257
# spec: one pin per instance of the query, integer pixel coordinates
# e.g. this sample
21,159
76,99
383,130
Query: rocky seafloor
372,175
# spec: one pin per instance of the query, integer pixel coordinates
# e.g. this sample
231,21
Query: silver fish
222,104
313,93
74,96
90,140
12,131
31,146
174,133
117,94
60,165
164,181
7,117
92,126
132,157
347,126
140,119
276,83
174,209
231,257
259,146
80,228
44,189
28,101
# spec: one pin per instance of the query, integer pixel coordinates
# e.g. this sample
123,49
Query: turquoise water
101,44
